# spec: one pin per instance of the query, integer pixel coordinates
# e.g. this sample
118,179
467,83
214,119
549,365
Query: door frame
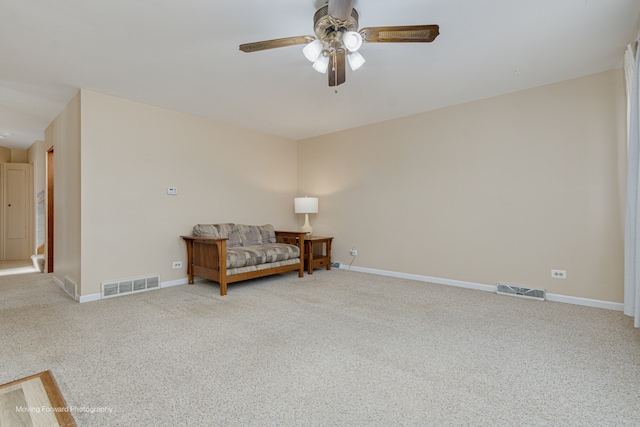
50,210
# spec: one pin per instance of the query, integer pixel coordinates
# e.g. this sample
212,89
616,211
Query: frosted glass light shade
313,50
322,64
352,41
355,60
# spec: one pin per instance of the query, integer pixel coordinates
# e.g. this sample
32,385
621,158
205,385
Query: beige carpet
337,348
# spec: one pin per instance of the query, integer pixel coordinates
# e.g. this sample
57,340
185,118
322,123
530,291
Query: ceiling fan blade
340,9
272,44
400,34
337,74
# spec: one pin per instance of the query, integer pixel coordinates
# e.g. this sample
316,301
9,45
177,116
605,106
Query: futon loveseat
228,253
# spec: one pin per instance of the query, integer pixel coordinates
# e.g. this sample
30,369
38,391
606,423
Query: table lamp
306,205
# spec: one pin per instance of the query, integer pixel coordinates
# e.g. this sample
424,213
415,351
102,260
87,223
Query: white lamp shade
355,60
306,204
322,64
352,41
313,50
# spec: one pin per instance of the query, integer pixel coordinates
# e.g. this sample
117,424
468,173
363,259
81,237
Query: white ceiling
183,55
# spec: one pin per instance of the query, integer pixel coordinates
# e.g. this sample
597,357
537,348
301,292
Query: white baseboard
483,287
174,283
90,298
420,278
608,305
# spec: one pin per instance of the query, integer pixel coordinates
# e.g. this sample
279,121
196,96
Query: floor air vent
519,291
70,287
125,287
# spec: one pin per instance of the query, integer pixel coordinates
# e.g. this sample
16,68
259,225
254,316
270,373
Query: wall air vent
130,286
70,287
520,291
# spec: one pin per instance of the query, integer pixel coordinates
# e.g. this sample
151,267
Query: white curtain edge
632,210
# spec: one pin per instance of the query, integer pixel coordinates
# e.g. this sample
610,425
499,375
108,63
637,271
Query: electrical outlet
353,252
559,274
177,264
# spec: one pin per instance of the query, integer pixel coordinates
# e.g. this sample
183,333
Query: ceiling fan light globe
355,60
313,50
322,64
352,41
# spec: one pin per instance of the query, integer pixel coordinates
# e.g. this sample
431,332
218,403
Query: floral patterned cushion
256,235
205,230
245,256
227,230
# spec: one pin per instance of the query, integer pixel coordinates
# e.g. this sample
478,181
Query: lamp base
307,228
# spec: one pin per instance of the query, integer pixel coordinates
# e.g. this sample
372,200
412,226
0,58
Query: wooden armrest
209,254
299,234
291,237
295,238
204,239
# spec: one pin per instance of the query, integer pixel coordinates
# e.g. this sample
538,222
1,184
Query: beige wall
64,135
132,152
37,156
499,190
12,155
19,156
5,155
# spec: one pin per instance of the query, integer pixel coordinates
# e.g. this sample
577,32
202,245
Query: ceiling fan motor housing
330,30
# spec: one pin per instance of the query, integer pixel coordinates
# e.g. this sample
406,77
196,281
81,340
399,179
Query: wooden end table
317,253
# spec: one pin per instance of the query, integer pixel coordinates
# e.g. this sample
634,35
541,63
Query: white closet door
17,201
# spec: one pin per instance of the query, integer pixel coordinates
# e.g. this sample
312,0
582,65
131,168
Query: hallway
8,268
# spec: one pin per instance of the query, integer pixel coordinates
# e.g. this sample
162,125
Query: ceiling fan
338,39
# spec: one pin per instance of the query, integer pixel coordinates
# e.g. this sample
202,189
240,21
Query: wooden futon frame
207,258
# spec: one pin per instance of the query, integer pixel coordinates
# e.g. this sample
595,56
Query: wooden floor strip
34,401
